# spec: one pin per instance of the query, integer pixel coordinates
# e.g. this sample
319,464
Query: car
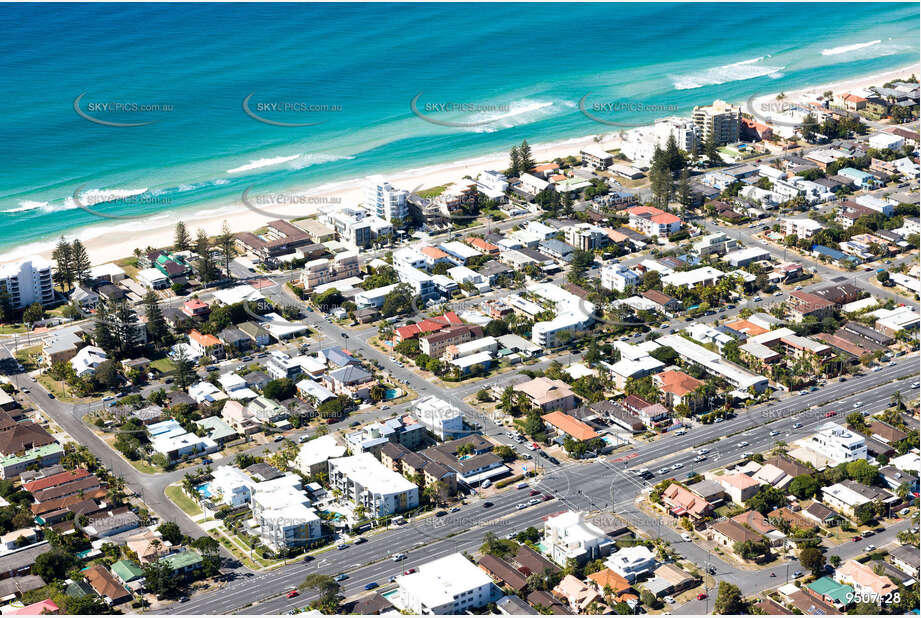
409,571
547,497
857,538
868,533
279,438
915,384
370,585
669,599
757,299
686,536
892,363
341,577
533,492
293,593
702,595
797,425
664,470
798,288
797,573
877,368
677,466
359,540
830,414
742,444
50,395
455,509
183,599
700,458
487,504
719,420
778,293
554,460
711,571
354,423
703,451
206,460
534,501
308,559
857,404
341,546
398,557
520,506
441,513
774,433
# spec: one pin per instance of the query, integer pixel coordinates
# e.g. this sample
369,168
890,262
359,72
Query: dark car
547,497
370,585
360,540
50,395
441,513
354,423
308,558
487,504
533,492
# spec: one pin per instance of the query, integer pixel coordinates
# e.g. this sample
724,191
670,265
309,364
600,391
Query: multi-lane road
605,484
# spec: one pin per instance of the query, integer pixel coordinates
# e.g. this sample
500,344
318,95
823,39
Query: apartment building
450,585
619,278
27,282
384,200
837,444
722,121
366,481
319,272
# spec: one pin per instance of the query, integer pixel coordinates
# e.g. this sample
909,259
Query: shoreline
119,239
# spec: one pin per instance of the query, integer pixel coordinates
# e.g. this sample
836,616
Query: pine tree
711,152
80,262
104,335
205,263
63,255
156,325
125,323
526,159
182,240
514,168
684,189
226,244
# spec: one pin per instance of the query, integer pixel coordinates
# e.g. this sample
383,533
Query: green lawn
11,329
179,497
163,365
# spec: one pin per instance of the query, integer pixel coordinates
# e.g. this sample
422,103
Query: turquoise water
365,63
204,489
392,393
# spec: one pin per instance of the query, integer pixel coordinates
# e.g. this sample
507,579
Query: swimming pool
204,490
392,393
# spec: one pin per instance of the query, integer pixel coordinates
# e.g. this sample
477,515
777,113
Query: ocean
218,98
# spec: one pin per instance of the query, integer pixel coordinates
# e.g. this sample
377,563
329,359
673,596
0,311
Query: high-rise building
27,282
722,120
384,200
683,130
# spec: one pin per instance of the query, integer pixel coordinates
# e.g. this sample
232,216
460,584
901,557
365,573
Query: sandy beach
122,238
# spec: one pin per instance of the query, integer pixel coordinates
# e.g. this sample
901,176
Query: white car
915,384
669,599
858,404
521,506
774,433
664,470
742,444
700,458
677,466
703,451
686,537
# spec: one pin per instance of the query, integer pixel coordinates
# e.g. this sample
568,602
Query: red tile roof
61,478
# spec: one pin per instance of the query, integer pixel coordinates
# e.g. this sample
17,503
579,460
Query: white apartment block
682,129
28,282
444,420
837,444
366,481
384,200
804,228
721,120
447,586
568,535
284,516
619,278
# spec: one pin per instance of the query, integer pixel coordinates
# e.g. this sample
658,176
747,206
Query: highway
590,486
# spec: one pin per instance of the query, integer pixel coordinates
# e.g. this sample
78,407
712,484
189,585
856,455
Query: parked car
702,595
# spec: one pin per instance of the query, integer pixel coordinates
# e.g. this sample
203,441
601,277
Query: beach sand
157,230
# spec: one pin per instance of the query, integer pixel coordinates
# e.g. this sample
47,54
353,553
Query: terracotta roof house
105,585
577,593
62,478
772,608
740,487
663,300
570,426
864,580
427,325
728,532
608,578
42,608
548,394
504,573
682,501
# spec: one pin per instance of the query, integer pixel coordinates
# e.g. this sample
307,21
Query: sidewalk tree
728,600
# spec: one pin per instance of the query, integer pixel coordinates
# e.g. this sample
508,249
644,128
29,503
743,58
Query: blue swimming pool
392,393
204,490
